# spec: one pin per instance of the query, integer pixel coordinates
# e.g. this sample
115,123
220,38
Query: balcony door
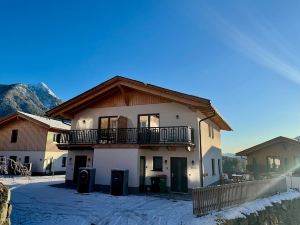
148,125
107,129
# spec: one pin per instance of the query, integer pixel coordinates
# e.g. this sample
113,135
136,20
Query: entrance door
179,174
80,161
142,173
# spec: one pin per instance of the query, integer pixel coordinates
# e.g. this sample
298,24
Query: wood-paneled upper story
29,136
25,132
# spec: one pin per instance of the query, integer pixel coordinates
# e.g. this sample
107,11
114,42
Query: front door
142,173
80,161
179,174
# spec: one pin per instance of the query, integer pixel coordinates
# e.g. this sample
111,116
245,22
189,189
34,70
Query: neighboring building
149,130
273,157
31,139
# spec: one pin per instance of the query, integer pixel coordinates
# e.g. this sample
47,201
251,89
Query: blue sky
243,55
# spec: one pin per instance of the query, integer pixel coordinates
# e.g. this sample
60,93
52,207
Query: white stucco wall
213,153
35,157
56,158
113,158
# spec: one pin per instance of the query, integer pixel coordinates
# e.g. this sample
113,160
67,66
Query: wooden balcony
154,136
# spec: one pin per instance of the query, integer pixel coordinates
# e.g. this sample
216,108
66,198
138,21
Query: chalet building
31,139
146,129
273,157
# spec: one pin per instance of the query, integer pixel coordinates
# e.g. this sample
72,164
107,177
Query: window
13,158
213,167
26,159
148,120
63,161
157,163
273,164
219,167
211,131
14,136
108,122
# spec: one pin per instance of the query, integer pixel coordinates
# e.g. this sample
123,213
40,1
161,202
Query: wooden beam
124,94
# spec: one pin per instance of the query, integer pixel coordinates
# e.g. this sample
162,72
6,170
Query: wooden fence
212,198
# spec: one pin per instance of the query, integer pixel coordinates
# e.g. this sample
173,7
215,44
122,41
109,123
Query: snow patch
35,202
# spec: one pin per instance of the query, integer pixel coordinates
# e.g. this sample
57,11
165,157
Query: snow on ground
257,205
35,202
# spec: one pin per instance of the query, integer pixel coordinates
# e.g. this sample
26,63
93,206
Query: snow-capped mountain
45,95
30,98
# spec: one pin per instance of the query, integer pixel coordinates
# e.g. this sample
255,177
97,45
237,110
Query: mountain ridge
30,98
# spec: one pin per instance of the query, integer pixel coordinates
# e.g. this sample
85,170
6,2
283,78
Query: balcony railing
153,135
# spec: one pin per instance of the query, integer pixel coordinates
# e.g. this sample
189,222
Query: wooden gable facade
120,91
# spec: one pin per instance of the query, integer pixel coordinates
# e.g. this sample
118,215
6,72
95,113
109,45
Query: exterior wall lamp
193,162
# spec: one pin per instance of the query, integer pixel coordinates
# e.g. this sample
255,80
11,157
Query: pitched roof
201,104
265,144
43,121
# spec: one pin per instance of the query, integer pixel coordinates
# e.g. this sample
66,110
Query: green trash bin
162,183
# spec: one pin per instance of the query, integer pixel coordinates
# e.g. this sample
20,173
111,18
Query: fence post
219,197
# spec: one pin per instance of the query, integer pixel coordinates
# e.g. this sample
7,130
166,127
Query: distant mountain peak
44,87
30,98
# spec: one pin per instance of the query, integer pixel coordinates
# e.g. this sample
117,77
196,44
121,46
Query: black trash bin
86,179
155,184
119,182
